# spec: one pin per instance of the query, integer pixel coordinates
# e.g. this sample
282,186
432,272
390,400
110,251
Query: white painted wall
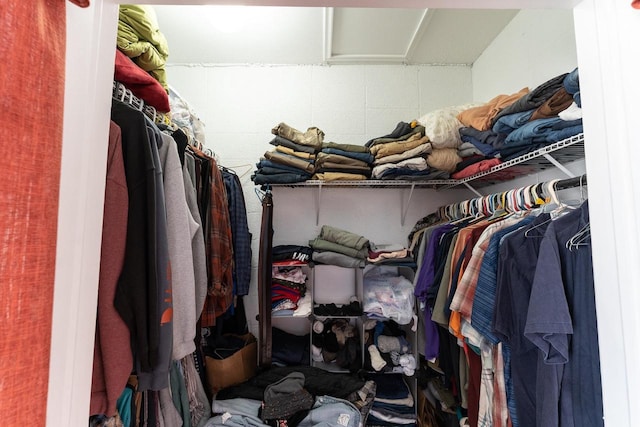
351,104
536,46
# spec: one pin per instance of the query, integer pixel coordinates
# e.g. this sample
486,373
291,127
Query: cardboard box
235,369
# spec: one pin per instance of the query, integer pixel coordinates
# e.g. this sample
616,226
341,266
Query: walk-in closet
326,203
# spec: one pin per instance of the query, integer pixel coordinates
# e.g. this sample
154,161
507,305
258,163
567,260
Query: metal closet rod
571,182
491,202
124,94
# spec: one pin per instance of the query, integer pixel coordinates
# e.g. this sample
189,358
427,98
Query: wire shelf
564,151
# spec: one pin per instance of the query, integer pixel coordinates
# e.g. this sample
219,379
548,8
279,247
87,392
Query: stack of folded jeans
343,162
293,158
401,154
571,84
547,114
540,122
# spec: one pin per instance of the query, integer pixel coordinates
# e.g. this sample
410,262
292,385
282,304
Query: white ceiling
319,35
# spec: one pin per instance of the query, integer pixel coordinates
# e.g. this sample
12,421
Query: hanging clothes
517,291
239,232
112,358
218,240
563,290
137,290
161,283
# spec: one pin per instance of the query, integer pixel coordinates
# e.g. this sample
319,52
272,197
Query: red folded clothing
140,83
475,168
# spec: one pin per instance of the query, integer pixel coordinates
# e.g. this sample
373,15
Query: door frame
607,33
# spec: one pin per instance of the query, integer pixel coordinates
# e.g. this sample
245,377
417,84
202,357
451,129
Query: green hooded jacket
139,38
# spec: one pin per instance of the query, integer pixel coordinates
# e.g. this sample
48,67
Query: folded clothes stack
393,254
339,162
289,291
510,126
293,158
393,404
402,153
339,247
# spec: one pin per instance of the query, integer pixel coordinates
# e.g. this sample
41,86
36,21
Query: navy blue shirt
518,256
561,321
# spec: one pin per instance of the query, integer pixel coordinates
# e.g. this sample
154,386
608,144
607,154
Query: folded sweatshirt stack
402,153
293,158
343,162
339,247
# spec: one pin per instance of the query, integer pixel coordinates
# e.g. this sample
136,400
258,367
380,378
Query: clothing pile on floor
295,396
293,158
393,404
336,341
387,348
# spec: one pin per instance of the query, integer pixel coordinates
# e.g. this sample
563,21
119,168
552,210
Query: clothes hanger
249,167
498,206
528,200
537,194
551,200
570,204
261,193
582,179
581,238
558,208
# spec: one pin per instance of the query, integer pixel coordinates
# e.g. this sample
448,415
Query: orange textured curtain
32,48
